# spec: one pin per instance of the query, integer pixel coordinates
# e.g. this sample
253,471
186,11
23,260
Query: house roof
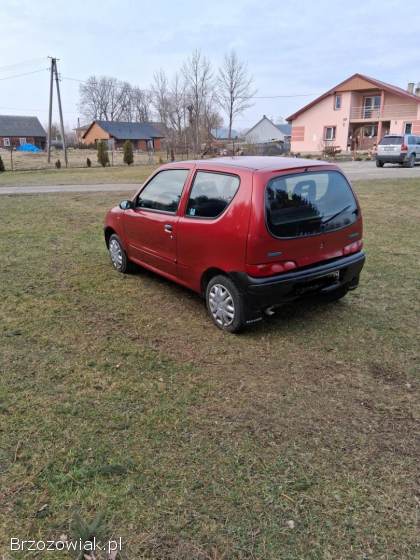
375,83
222,133
128,130
13,125
285,128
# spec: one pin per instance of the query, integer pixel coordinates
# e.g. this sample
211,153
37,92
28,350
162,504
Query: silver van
398,148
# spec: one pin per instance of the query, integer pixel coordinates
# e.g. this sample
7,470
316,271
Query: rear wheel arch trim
211,273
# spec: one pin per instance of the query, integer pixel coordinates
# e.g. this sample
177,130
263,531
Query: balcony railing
401,111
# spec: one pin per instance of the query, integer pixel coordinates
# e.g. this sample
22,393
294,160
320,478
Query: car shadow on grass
301,313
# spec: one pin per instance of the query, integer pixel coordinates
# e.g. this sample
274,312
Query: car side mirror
126,204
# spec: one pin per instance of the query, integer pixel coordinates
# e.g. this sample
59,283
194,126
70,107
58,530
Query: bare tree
199,81
177,107
234,87
160,96
140,105
104,98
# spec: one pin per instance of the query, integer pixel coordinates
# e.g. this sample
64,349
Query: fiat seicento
247,233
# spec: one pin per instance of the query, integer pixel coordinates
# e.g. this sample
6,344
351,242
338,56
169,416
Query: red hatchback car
248,233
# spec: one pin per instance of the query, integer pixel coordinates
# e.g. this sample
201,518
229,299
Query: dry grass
117,395
93,176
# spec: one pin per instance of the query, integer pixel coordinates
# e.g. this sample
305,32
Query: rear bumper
261,293
397,158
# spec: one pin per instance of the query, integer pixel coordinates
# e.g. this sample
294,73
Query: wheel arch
209,274
108,231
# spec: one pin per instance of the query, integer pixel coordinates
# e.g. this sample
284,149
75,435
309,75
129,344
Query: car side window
163,192
211,194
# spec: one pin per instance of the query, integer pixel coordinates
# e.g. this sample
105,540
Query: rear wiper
338,213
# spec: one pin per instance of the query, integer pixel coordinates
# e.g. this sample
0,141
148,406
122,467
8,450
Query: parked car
248,233
398,148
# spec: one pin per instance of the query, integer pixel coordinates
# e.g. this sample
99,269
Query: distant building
16,131
222,133
355,114
79,131
144,136
266,131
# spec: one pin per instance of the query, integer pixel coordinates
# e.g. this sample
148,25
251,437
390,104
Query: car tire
117,254
411,161
225,304
379,163
335,295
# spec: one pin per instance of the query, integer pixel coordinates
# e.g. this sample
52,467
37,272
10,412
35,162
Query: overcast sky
291,47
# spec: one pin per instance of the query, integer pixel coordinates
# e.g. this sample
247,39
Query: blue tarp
28,148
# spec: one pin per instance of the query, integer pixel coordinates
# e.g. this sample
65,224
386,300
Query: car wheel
334,295
411,161
117,254
379,163
225,304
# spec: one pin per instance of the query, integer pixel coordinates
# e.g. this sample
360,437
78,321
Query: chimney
417,90
410,87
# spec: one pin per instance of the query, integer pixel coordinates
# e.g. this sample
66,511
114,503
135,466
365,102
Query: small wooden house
16,131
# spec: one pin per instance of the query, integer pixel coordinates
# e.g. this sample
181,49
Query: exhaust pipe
270,311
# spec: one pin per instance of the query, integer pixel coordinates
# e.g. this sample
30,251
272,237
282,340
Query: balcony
366,113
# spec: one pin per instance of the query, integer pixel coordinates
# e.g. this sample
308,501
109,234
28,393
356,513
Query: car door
150,226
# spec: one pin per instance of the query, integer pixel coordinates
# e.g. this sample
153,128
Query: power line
23,63
23,74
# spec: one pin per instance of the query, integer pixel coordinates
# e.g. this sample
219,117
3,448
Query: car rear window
391,141
309,203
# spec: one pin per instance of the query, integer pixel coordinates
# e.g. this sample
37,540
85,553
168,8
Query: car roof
255,163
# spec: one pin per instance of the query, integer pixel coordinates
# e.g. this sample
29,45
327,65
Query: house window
329,133
371,106
6,142
337,102
22,141
370,131
408,128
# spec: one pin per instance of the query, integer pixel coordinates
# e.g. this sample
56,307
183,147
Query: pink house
355,114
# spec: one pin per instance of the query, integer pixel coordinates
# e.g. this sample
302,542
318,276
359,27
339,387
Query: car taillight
404,148
269,269
353,247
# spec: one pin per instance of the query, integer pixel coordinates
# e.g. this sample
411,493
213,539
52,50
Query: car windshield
309,203
391,141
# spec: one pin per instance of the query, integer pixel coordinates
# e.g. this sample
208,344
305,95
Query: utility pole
50,111
54,72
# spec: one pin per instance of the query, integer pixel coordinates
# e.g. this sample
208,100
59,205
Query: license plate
333,275
319,282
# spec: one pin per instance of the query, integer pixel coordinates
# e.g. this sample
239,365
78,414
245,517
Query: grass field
93,176
295,440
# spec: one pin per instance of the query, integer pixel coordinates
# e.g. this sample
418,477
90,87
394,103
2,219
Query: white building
266,131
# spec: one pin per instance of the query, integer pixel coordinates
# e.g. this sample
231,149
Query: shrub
58,164
103,157
128,157
88,162
2,168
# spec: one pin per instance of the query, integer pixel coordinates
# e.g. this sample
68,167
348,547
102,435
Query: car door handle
168,228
